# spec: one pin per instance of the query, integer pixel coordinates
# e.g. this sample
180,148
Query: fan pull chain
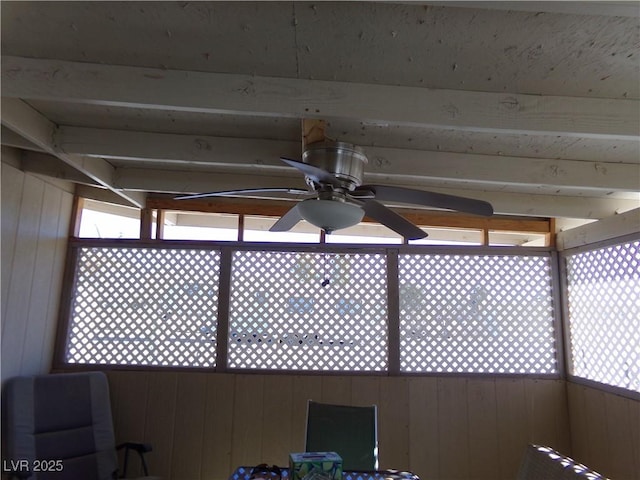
326,280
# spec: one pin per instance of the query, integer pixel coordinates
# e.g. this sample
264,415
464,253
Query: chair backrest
351,432
63,417
545,462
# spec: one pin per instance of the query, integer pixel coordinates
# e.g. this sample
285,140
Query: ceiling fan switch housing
344,160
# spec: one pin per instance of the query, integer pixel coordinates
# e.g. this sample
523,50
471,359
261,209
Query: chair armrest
141,449
138,447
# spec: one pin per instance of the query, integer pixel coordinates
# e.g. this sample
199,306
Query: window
450,236
200,226
308,311
105,220
139,306
256,229
365,233
604,314
476,313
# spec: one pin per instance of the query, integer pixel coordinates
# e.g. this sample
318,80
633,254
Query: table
244,473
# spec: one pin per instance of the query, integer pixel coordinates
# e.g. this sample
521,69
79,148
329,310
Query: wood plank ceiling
531,106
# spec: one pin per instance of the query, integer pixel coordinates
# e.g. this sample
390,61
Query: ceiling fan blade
287,221
245,191
391,219
387,193
316,174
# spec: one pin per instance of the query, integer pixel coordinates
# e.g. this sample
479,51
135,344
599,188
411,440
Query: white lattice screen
145,306
311,310
604,314
476,313
282,316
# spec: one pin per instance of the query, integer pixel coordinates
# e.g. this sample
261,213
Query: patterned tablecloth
244,473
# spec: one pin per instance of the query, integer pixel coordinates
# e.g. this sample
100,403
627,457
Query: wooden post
76,216
159,224
146,221
485,236
550,237
241,227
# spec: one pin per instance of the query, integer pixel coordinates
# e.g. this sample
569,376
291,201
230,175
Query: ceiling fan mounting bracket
344,160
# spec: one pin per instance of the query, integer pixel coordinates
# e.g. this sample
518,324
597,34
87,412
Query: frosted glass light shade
330,215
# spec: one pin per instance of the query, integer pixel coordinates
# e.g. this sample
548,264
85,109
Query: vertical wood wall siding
35,219
204,425
605,431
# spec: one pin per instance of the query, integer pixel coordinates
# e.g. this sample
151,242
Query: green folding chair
351,432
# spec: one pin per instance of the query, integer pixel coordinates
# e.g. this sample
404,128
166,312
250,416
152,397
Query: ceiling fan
336,197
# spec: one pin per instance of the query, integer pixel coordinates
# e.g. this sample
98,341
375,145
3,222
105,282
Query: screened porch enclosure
464,349
385,310
203,422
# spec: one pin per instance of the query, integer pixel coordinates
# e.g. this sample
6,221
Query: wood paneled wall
203,425
605,431
35,220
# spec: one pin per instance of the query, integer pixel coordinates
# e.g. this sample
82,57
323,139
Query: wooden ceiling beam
52,166
34,127
191,91
12,139
627,223
176,149
506,203
591,7
250,154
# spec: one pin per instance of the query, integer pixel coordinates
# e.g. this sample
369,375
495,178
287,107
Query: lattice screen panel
604,314
282,316
144,306
466,313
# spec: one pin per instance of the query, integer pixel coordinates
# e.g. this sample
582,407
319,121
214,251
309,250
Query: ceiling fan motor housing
344,160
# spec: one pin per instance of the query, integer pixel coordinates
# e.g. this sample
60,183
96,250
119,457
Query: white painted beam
197,181
12,139
614,226
171,181
11,156
51,166
573,7
103,195
175,148
34,127
498,170
244,153
299,98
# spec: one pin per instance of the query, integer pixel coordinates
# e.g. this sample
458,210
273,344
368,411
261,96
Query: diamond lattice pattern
145,306
604,314
283,317
467,313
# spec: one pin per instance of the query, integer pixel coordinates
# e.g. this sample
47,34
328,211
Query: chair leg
126,462
144,464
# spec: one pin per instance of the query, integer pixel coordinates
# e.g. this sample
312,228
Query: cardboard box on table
315,466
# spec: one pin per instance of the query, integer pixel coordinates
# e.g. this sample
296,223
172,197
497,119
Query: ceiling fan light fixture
330,215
